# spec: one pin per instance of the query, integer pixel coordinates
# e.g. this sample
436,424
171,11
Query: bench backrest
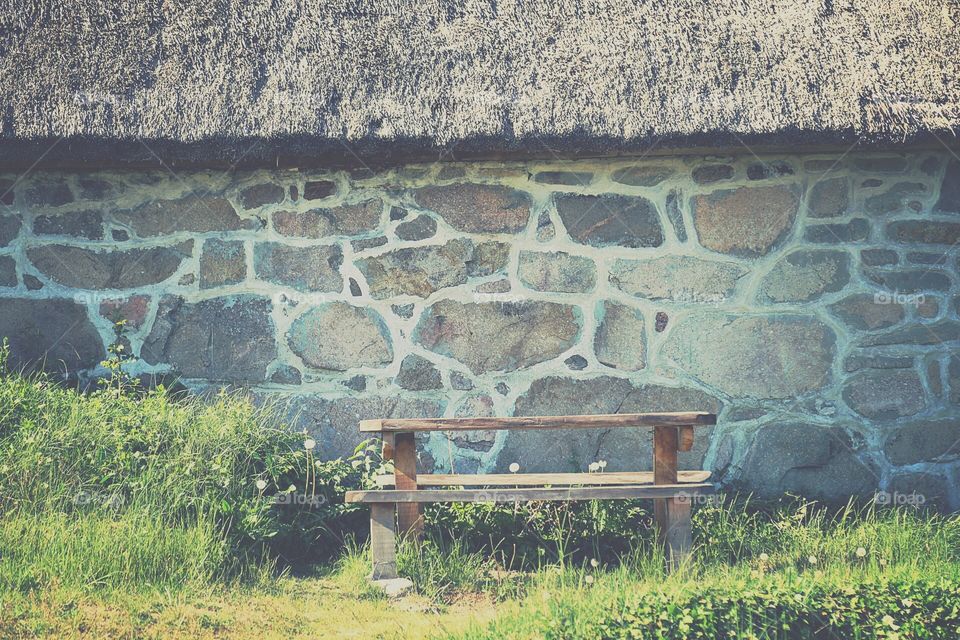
662,419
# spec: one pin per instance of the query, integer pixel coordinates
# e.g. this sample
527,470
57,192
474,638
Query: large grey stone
55,335
574,449
805,275
303,268
418,374
338,336
222,262
909,281
620,342
829,198
710,173
478,208
642,176
884,394
345,220
80,224
923,441
764,356
678,278
557,271
610,220
420,228
498,336
90,269
806,459
258,195
867,311
949,200
924,231
230,338
193,213
895,199
857,230
937,333
747,221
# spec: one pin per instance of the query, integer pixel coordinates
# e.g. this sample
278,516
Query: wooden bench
399,507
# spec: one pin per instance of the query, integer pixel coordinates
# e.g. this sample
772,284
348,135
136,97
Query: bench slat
540,479
526,495
669,419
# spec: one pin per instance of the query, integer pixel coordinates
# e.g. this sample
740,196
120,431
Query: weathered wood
665,443
383,541
409,520
678,534
529,494
686,439
674,419
541,479
388,446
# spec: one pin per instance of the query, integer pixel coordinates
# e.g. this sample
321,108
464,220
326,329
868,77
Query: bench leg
665,444
679,532
383,541
409,518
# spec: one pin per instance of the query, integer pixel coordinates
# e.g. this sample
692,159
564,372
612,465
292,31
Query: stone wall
810,300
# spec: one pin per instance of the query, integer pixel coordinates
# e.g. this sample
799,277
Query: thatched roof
395,79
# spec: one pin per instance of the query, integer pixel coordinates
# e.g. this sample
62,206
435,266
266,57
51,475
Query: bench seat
531,493
540,479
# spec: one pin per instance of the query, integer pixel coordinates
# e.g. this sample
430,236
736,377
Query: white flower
593,467
291,488
588,579
514,467
261,485
812,559
309,444
764,557
594,563
861,552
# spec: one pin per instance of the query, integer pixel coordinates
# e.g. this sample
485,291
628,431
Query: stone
460,381
557,271
880,164
133,309
355,288
260,195
871,183
919,489
576,363
884,394
318,189
338,337
921,257
79,224
546,231
393,587
417,271
119,235
867,312
420,228
497,286
924,441
928,307
953,379
856,230
879,257
89,269
571,178
222,262
949,200
501,388
767,170
418,374
934,380
294,193
403,310
48,192
894,199
477,208
930,165
748,221
539,451
610,220
190,214
285,374
829,198
32,282
909,281
186,280
620,341
475,406
302,268
937,333
9,229
660,322
743,414
333,421
710,173
345,220
675,216
451,173
357,383
368,243
51,334
677,278
823,165
398,213
642,176
8,271
808,460
230,338
805,275
753,355
856,362
488,258
94,188
498,336
924,231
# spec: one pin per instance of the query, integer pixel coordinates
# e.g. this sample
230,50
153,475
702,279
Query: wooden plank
665,443
684,418
530,494
686,439
409,520
541,479
383,542
679,532
388,446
